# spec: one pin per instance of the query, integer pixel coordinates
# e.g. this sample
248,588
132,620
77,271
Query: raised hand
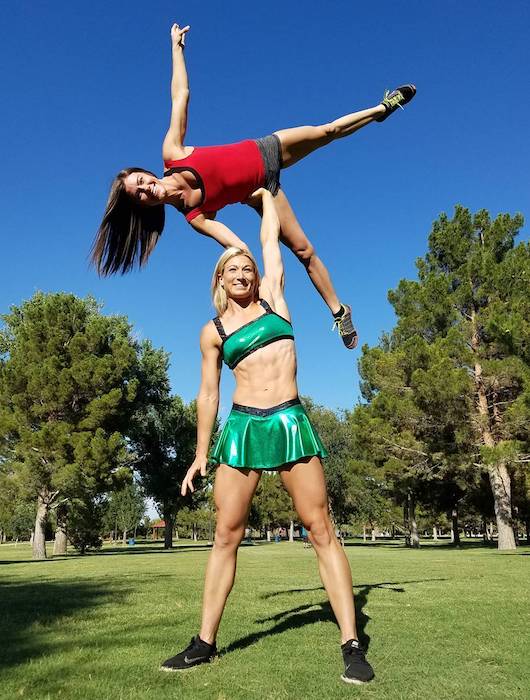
178,35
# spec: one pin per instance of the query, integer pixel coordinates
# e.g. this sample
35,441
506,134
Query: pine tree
67,388
471,304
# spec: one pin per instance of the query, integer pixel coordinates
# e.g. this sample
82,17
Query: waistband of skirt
263,412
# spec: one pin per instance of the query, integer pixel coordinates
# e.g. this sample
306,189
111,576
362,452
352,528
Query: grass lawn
438,623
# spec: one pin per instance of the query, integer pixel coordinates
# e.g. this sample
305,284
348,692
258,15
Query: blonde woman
199,181
266,429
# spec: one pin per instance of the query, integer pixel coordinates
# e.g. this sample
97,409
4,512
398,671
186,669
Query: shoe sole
184,668
352,345
353,681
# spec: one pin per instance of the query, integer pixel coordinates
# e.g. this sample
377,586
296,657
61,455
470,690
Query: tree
336,436
67,388
471,302
164,443
271,505
127,507
17,516
369,503
85,523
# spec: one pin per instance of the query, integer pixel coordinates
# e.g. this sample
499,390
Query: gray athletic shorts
271,152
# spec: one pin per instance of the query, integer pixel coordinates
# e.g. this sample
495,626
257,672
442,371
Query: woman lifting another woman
266,429
199,181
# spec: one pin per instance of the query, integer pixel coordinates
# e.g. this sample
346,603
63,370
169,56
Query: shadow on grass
28,609
311,613
424,545
111,551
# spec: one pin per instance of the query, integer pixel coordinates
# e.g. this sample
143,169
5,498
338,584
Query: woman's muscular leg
306,485
233,491
300,141
292,234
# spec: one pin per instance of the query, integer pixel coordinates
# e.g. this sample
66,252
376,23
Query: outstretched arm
272,283
218,231
207,403
180,94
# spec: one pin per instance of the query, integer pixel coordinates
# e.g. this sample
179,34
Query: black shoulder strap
219,327
266,306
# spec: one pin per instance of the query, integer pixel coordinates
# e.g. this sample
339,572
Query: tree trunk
364,533
414,537
169,520
291,532
502,499
455,533
406,521
527,528
39,538
373,535
435,533
498,473
124,537
59,545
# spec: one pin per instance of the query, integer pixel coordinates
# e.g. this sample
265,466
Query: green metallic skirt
267,438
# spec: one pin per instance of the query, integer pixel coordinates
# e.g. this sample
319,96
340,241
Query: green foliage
67,387
125,507
448,391
272,505
85,524
164,442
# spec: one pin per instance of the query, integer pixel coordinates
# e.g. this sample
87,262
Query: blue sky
85,92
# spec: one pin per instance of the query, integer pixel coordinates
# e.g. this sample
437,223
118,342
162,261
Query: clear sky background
85,92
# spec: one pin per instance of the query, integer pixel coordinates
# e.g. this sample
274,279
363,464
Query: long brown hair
128,232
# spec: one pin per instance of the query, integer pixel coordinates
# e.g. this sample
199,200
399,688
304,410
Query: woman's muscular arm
180,93
216,230
207,402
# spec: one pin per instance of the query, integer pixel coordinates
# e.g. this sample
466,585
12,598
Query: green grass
439,623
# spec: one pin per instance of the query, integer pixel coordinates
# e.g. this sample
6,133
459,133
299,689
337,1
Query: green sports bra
254,335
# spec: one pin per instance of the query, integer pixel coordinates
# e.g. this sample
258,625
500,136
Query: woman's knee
228,537
320,531
305,252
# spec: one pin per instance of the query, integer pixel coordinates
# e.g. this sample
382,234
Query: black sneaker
356,667
198,652
396,99
346,329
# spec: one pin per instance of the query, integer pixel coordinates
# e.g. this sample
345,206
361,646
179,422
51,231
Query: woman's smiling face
238,277
145,188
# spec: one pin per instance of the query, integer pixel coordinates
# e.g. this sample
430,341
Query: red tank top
226,174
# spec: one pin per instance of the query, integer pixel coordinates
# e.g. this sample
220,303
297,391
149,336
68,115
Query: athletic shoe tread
346,328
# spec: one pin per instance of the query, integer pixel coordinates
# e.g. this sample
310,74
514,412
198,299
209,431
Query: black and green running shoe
198,652
356,668
396,99
346,328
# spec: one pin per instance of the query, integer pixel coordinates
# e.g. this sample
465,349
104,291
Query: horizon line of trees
89,427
